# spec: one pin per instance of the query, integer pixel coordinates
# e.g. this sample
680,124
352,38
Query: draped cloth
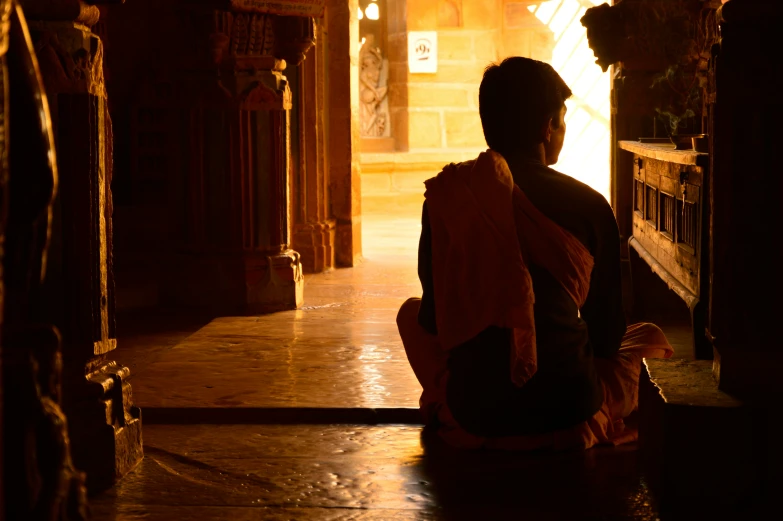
485,232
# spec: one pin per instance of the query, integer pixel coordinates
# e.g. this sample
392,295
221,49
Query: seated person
519,339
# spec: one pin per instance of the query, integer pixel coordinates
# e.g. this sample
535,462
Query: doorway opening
413,123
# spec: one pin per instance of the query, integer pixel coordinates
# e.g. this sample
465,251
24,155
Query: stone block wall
435,117
440,110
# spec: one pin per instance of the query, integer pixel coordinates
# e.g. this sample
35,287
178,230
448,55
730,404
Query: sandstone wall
434,117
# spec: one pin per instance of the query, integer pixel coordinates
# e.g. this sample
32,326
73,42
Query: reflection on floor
229,434
340,350
350,472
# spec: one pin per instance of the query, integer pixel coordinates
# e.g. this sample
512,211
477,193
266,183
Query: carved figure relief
373,80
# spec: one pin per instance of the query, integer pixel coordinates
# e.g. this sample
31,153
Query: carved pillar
235,252
105,426
747,220
314,229
342,28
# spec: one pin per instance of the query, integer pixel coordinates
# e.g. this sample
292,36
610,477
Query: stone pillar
40,479
342,28
104,425
397,27
746,219
234,245
314,229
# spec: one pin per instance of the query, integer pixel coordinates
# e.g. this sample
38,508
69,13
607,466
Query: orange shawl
484,232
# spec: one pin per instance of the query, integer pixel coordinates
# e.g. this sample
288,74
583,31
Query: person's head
522,106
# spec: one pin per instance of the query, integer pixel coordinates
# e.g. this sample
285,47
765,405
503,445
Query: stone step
280,415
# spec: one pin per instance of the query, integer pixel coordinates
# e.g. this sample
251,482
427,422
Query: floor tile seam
280,415
119,502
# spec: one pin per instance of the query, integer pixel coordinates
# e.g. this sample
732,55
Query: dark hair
516,99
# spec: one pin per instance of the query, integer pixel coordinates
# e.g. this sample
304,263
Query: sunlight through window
586,153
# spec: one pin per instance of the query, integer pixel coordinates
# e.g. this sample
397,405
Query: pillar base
702,447
235,283
315,243
273,282
105,427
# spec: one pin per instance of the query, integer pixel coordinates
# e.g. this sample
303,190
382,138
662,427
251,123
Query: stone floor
310,414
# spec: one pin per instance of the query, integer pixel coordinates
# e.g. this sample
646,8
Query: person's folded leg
620,373
428,360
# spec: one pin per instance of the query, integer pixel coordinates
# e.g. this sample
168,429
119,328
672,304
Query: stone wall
435,116
440,110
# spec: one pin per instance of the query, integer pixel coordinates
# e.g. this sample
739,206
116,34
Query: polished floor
311,414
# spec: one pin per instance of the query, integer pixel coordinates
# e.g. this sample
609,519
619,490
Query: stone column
746,217
104,425
235,248
40,479
314,229
342,27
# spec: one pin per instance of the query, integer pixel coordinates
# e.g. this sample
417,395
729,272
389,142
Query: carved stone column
105,426
314,229
342,28
234,253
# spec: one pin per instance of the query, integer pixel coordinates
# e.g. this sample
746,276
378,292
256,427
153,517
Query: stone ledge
389,163
701,444
688,383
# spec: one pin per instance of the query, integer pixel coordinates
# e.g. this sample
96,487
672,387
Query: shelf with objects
670,226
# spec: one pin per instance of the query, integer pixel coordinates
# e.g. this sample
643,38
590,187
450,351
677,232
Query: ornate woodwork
670,227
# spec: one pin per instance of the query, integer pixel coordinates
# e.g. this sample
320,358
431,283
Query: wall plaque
423,52
313,8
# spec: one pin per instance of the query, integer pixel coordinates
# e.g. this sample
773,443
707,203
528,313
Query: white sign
423,52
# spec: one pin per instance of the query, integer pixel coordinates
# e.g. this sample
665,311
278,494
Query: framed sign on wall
423,52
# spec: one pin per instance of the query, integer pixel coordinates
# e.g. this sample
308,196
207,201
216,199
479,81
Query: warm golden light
586,150
361,14
372,12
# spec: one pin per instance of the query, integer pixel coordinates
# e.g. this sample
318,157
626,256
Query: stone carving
76,10
252,34
373,78
69,67
296,34
260,97
646,34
